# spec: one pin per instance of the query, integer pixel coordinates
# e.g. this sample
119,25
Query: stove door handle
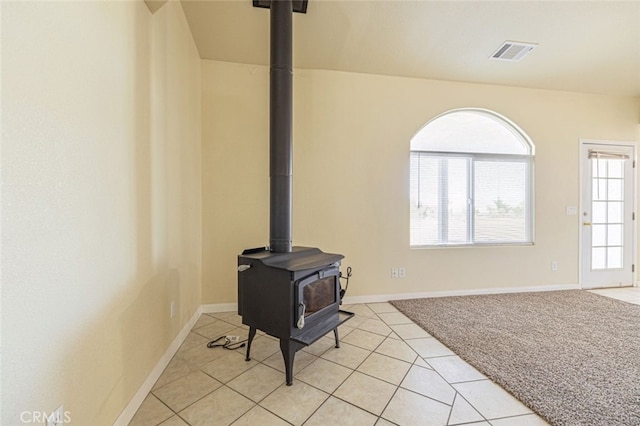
302,308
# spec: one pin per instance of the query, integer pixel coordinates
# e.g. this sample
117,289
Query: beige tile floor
387,371
626,294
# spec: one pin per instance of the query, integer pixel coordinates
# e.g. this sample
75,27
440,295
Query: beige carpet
571,356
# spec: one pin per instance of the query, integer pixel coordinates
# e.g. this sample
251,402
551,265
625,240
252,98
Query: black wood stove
291,293
293,296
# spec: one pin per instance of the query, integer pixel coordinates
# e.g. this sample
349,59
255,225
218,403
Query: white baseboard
399,296
379,298
137,400
219,307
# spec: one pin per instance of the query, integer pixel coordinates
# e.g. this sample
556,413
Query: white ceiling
583,46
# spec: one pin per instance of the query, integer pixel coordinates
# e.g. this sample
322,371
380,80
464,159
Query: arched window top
472,130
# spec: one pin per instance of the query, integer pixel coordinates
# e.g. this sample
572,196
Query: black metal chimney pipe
280,126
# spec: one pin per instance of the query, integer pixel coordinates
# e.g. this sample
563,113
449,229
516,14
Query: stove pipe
280,126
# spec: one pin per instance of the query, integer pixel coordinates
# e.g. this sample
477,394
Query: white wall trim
137,400
399,296
378,298
219,307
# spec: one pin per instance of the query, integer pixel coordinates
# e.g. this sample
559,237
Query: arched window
471,174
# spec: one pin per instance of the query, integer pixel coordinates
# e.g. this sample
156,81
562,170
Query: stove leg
335,333
252,334
288,353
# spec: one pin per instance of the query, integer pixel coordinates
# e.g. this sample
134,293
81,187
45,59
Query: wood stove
291,293
292,296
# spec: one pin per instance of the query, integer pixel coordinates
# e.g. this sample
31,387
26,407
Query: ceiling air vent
513,51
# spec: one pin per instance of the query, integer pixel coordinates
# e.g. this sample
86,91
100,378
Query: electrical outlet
172,308
57,418
571,210
554,265
394,272
402,272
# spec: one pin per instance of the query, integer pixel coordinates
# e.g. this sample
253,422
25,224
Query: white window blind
466,198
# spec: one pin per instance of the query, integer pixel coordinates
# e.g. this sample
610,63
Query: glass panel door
607,226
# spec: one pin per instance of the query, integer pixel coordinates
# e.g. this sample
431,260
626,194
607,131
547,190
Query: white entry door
607,235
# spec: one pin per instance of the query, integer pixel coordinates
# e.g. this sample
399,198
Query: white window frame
472,158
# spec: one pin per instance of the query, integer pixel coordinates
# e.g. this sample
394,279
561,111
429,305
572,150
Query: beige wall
101,201
351,167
